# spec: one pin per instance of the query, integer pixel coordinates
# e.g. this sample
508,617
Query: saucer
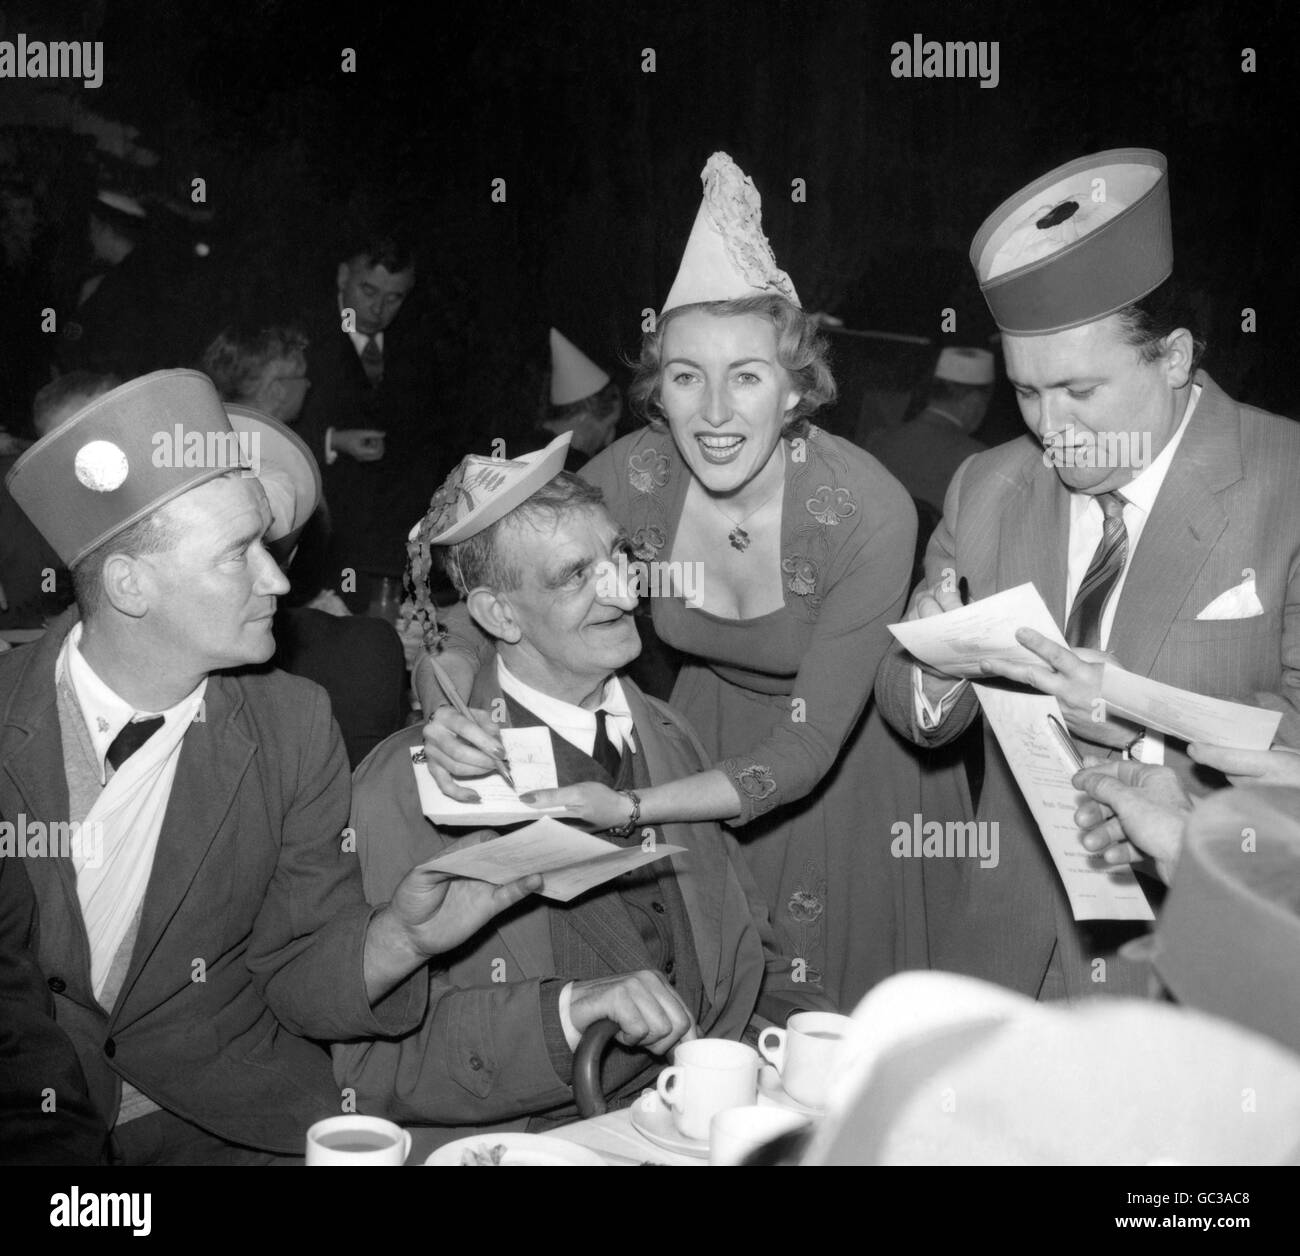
653,1119
771,1090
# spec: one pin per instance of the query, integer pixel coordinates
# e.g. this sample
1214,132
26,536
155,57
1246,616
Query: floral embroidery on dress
647,470
756,780
830,505
806,908
648,540
802,573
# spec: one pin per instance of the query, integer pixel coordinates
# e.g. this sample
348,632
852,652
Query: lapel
701,869
1034,535
1185,524
214,758
33,785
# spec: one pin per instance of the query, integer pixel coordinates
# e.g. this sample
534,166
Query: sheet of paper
570,861
531,757
957,641
1191,716
498,804
1042,770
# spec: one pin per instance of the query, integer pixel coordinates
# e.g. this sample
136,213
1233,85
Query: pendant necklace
739,538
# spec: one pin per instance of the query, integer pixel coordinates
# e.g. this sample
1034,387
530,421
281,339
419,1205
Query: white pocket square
1240,602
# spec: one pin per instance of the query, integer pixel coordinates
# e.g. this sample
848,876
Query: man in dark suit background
369,416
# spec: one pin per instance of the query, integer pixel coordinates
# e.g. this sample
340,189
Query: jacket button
110,1048
658,907
57,984
475,1063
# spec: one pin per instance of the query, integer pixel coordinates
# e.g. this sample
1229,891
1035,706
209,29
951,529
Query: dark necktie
603,751
1084,626
372,362
131,738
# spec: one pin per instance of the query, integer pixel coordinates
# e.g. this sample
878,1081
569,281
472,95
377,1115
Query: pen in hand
1064,738
458,702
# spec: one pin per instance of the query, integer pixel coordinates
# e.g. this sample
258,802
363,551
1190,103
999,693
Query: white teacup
707,1076
733,1134
804,1052
357,1140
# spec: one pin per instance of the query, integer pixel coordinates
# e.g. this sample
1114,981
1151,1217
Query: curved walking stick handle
586,1067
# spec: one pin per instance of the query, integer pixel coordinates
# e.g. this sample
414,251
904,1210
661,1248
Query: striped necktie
1084,626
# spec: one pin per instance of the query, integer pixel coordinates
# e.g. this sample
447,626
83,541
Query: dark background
601,160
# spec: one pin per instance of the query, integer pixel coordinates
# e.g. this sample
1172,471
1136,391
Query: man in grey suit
1158,518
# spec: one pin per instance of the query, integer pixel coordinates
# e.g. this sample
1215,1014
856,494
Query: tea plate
517,1150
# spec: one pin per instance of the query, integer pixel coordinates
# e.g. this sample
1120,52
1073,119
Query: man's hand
643,1005
590,802
365,444
1250,767
439,912
432,913
1073,677
1135,810
455,746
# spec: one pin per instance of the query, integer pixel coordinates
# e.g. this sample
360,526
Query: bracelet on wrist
625,829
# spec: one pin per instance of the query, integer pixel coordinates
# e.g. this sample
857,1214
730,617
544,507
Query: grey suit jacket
1229,506
479,1058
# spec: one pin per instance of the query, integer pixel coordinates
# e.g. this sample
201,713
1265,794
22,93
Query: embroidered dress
779,700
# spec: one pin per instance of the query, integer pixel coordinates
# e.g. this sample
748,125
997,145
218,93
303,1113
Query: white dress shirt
126,819
575,724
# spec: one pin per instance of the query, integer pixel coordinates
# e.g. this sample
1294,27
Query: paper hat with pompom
122,456
1077,244
727,255
574,376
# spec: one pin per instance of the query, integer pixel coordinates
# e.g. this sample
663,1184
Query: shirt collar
106,713
567,718
1141,491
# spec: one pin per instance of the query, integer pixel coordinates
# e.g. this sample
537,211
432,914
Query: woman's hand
591,802
455,746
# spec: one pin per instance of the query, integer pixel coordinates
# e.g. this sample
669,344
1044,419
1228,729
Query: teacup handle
406,1145
665,1084
773,1054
